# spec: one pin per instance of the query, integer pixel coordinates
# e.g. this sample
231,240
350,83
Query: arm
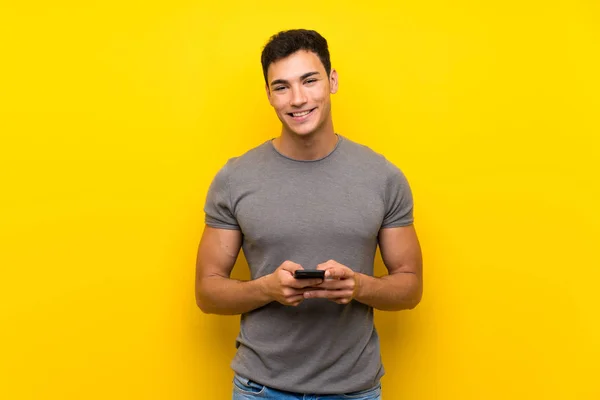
402,288
399,290
217,293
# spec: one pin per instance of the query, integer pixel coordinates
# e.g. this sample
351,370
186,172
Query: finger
295,300
344,300
336,284
308,289
290,266
327,265
327,294
304,283
339,273
289,292
328,268
290,281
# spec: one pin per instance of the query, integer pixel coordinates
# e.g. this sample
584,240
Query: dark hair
286,43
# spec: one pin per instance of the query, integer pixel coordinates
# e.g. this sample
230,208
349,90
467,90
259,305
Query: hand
340,285
282,287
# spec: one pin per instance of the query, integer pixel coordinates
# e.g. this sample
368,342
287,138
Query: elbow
415,299
202,305
202,302
411,305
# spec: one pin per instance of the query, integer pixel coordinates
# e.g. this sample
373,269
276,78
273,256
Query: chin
299,132
304,132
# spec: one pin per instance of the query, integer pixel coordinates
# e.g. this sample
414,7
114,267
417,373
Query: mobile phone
309,274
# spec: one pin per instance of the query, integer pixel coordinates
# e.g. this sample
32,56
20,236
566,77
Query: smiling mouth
301,113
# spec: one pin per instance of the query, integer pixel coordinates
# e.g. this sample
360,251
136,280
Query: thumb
290,266
338,273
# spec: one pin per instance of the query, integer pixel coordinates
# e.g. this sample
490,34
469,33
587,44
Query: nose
298,97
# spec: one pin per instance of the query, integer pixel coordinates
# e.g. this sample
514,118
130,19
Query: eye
279,88
310,80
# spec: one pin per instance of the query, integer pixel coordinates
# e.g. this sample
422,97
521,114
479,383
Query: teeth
300,114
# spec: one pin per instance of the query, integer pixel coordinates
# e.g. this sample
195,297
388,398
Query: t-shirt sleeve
398,199
218,210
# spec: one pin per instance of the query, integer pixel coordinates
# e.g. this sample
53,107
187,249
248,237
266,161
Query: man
308,199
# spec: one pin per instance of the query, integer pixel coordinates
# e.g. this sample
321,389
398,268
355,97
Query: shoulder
361,154
250,160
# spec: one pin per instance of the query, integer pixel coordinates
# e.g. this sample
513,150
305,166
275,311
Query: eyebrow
303,77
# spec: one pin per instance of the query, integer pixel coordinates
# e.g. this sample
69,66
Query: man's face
299,91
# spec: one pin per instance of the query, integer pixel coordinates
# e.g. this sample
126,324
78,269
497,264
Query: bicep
217,252
400,250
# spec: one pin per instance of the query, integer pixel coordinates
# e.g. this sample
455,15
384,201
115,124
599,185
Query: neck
309,147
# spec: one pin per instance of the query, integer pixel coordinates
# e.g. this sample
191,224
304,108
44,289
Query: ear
333,81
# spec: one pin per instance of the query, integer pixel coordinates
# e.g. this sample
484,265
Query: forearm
399,291
225,296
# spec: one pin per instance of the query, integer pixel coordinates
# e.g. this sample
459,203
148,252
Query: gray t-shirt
309,212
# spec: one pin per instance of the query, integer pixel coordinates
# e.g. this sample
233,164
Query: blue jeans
244,389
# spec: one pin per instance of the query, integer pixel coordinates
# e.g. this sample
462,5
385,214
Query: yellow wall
114,117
